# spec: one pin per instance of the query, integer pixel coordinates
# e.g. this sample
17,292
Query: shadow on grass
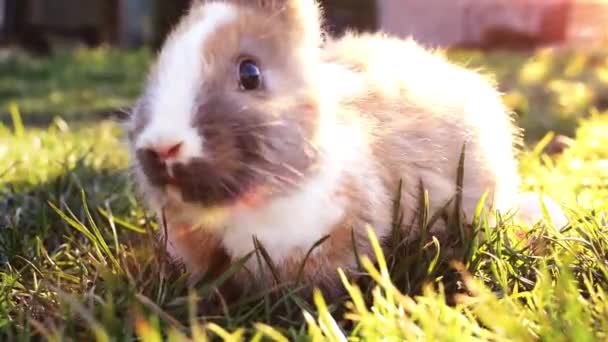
47,263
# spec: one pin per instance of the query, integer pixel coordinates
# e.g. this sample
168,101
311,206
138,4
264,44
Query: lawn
79,261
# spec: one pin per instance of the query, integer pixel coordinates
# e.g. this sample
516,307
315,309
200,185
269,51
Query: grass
550,90
79,258
72,85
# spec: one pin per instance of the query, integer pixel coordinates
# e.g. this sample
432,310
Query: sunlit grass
550,89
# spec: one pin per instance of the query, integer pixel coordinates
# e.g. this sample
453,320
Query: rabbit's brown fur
319,150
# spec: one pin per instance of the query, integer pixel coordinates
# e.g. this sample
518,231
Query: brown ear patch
302,18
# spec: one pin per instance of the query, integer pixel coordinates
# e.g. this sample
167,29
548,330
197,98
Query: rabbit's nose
167,152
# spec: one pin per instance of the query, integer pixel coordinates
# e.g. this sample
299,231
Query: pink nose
166,152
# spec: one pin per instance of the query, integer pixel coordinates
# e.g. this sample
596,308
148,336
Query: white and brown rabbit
251,125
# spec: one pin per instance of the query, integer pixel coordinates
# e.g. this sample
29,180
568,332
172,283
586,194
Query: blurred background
76,57
39,25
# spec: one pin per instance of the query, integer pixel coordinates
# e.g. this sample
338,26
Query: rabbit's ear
303,17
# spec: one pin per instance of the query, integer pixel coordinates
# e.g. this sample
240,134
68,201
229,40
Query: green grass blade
19,129
121,222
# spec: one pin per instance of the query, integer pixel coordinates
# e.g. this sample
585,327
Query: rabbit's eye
250,75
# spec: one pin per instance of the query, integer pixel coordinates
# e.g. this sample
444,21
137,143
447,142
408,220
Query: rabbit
257,129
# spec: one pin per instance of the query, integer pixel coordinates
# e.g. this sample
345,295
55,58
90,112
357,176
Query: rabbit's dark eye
249,75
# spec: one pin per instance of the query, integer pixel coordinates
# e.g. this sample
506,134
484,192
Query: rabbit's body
319,149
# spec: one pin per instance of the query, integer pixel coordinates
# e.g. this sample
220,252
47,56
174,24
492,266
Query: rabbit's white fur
382,111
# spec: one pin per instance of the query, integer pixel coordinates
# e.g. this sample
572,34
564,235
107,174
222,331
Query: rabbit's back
421,110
